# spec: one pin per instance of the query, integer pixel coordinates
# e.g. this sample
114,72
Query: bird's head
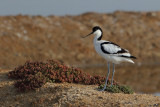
96,31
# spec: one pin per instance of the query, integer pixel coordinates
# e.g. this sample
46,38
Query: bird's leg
112,75
106,79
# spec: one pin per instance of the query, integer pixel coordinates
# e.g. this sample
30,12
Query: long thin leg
106,79
112,75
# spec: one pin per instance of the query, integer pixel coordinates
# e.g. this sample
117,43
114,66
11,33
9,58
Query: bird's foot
102,89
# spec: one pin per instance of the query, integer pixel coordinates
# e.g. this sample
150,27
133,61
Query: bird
110,51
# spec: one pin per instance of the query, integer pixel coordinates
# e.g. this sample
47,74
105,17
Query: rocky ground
69,95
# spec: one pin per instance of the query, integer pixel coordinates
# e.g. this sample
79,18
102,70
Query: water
157,94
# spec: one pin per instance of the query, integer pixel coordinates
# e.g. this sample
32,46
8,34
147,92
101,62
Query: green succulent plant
118,89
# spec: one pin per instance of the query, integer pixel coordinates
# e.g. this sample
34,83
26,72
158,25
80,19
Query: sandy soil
69,95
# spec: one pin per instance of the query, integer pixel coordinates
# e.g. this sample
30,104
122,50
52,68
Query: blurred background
51,29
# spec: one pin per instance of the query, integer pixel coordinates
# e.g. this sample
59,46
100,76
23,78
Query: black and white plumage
112,52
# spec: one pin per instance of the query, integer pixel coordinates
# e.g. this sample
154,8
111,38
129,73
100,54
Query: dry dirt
73,95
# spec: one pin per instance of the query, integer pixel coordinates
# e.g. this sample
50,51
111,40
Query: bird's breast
98,48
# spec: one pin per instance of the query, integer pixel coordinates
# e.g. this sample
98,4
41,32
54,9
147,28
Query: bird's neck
98,37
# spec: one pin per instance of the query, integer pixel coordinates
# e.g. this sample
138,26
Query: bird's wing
112,48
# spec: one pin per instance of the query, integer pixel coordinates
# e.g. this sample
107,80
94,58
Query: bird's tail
129,60
133,57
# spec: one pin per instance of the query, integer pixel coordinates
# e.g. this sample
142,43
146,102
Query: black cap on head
96,28
93,30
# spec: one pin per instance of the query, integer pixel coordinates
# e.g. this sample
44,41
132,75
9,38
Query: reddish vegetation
31,82
33,75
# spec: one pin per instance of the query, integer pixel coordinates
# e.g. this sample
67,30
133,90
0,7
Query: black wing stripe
118,52
110,43
128,56
103,50
122,51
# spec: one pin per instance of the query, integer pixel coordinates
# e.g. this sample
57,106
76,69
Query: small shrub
126,89
118,89
29,68
113,89
33,75
32,82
